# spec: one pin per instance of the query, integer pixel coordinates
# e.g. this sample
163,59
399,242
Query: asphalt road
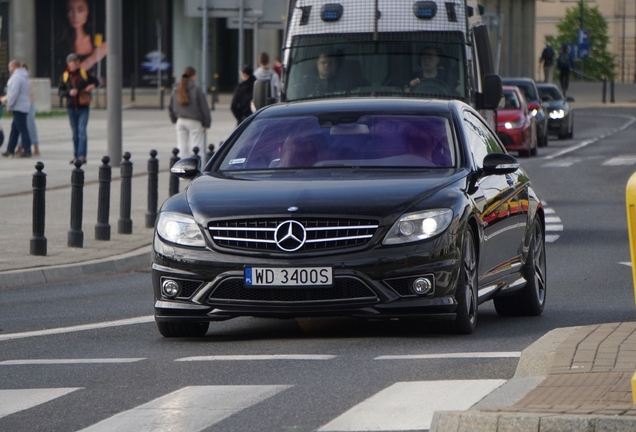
345,383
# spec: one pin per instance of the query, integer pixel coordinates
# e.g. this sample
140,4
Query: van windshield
425,64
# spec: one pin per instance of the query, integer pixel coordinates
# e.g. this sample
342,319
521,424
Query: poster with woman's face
71,26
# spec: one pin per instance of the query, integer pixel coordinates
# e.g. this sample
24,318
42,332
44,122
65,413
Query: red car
516,127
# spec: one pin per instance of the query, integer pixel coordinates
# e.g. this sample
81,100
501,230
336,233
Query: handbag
84,98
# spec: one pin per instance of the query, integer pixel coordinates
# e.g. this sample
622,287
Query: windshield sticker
237,161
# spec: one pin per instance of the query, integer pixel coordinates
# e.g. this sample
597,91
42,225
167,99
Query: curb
138,259
532,369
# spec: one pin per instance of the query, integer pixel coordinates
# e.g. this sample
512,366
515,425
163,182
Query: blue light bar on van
425,10
331,12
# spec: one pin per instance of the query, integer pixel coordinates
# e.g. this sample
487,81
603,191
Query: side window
480,140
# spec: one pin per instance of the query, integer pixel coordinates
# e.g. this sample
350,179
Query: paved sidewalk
587,388
143,130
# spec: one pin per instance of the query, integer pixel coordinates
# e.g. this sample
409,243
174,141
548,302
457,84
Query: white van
398,48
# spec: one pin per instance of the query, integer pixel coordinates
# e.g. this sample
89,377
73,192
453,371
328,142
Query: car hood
548,106
368,194
507,115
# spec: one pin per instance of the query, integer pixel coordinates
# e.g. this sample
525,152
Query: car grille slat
322,233
344,288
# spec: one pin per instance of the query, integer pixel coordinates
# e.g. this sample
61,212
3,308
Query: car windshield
527,90
552,93
403,64
342,140
509,100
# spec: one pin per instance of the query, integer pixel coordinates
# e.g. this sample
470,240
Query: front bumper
372,283
513,139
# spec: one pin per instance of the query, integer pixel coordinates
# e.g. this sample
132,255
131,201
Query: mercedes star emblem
290,236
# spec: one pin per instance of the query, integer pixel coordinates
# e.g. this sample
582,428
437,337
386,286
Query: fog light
170,288
422,286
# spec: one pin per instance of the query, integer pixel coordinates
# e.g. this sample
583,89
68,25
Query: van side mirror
493,92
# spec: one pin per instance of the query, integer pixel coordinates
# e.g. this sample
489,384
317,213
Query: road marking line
69,361
188,409
511,354
13,401
257,357
551,238
106,324
620,161
593,140
552,219
628,264
565,164
408,406
548,210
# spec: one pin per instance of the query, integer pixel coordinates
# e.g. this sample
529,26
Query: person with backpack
264,73
547,59
565,66
76,86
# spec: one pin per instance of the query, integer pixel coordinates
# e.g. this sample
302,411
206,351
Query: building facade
620,16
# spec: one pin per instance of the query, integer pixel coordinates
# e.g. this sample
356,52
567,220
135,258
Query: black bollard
210,153
102,228
612,94
174,180
75,234
153,189
124,225
38,241
196,151
132,87
604,90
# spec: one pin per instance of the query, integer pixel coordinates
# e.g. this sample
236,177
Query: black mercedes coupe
368,208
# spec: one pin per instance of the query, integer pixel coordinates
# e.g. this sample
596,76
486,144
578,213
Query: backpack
564,61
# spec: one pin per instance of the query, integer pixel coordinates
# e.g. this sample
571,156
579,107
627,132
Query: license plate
288,276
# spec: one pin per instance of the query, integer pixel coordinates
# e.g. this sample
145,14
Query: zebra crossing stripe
551,238
408,406
13,401
189,409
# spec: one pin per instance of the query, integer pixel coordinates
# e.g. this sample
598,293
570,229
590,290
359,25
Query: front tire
171,329
466,291
530,300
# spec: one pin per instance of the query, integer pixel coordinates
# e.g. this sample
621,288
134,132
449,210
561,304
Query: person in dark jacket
76,85
190,111
242,100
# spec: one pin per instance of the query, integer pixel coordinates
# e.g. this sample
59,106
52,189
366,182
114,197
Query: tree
601,63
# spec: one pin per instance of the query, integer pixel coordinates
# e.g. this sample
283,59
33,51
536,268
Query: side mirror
187,168
500,164
493,92
570,99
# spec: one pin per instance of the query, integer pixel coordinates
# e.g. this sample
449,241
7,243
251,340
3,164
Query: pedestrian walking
242,101
564,64
18,101
33,130
76,85
190,111
547,60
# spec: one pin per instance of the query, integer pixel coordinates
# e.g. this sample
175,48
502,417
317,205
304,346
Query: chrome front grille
344,288
321,233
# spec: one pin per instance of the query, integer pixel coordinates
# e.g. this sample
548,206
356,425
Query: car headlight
534,112
513,125
557,114
179,228
419,226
